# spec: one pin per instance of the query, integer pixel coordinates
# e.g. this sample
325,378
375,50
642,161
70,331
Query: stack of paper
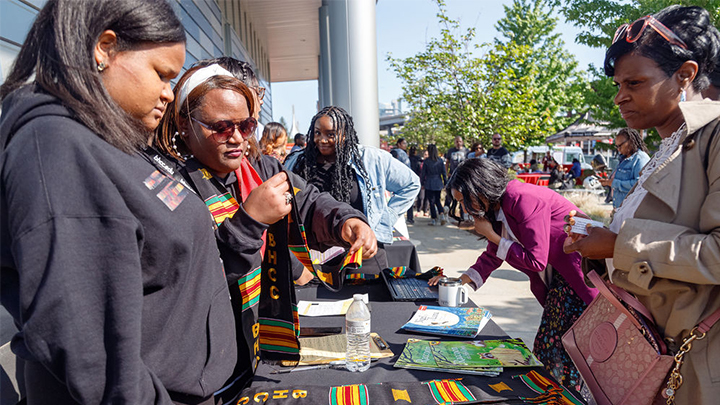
483,357
451,321
326,308
331,348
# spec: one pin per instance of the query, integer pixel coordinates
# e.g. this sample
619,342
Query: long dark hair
475,178
636,141
432,152
346,151
693,26
59,51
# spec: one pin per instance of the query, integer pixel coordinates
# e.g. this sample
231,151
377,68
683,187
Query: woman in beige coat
664,242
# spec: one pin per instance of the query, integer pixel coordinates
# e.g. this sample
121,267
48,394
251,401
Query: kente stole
263,298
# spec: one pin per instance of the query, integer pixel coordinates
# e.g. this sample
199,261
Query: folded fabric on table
531,388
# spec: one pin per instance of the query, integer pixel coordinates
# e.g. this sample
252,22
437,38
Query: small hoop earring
683,95
101,66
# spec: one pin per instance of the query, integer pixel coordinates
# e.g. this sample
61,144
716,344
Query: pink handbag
609,347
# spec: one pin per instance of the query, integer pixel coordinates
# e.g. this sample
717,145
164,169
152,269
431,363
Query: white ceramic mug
451,292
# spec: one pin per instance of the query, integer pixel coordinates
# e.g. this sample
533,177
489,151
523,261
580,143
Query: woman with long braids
630,145
335,162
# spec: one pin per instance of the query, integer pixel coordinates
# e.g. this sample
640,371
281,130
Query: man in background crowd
299,142
399,153
498,153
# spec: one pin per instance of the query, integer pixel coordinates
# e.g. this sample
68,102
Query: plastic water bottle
357,331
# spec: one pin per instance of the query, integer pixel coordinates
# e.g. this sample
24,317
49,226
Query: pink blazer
536,215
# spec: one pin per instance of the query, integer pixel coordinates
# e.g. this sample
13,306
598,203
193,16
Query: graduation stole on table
530,388
263,298
331,273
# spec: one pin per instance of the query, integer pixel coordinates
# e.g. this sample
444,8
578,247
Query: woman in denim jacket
628,143
359,175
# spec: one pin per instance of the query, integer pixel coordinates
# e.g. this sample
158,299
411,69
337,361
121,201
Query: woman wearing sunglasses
664,242
210,128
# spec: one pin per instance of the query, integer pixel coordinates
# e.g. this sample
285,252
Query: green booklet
483,353
418,355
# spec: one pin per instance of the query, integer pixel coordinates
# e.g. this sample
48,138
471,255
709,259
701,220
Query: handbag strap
603,289
632,301
708,322
608,292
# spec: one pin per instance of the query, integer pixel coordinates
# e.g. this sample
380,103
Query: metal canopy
584,128
292,31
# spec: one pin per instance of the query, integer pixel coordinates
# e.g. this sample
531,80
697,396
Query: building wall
213,27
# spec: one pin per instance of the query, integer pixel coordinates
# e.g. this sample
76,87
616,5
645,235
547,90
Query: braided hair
634,138
346,151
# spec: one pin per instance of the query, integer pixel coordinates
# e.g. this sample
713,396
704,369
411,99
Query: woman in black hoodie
108,266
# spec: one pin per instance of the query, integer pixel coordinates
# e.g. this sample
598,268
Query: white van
564,155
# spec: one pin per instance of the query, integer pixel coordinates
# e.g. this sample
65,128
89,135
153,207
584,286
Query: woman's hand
598,244
484,227
267,203
606,182
569,223
463,279
358,234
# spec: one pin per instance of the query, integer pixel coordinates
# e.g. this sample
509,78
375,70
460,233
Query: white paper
325,308
580,226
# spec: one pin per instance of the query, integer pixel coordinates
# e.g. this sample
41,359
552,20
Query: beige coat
669,253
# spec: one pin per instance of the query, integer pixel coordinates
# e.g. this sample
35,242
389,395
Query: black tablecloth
403,253
387,318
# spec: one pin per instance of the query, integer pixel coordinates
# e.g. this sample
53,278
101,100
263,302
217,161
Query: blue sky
403,28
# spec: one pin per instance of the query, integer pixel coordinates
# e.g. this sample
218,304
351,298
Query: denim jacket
626,175
386,174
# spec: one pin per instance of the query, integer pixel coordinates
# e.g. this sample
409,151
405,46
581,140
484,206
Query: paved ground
506,294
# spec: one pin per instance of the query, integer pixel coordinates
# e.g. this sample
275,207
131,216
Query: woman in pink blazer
523,224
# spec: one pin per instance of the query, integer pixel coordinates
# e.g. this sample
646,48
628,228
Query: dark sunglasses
223,130
618,145
633,32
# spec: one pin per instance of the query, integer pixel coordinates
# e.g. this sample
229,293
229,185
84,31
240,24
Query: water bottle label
358,327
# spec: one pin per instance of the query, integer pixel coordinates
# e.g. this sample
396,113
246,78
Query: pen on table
380,342
334,364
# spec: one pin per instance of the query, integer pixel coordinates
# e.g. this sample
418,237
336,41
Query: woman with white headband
209,129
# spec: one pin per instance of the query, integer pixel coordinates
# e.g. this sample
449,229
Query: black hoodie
109,268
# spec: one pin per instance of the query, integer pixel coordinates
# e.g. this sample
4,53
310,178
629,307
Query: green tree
599,19
523,87
284,124
439,84
529,60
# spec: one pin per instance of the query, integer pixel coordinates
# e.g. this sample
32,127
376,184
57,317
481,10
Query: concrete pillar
348,63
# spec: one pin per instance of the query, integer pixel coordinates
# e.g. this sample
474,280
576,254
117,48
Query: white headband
198,78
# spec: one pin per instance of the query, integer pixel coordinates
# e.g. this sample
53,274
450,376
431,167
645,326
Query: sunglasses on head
223,130
260,92
633,32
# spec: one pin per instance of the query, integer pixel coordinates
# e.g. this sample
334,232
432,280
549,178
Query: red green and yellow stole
266,320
